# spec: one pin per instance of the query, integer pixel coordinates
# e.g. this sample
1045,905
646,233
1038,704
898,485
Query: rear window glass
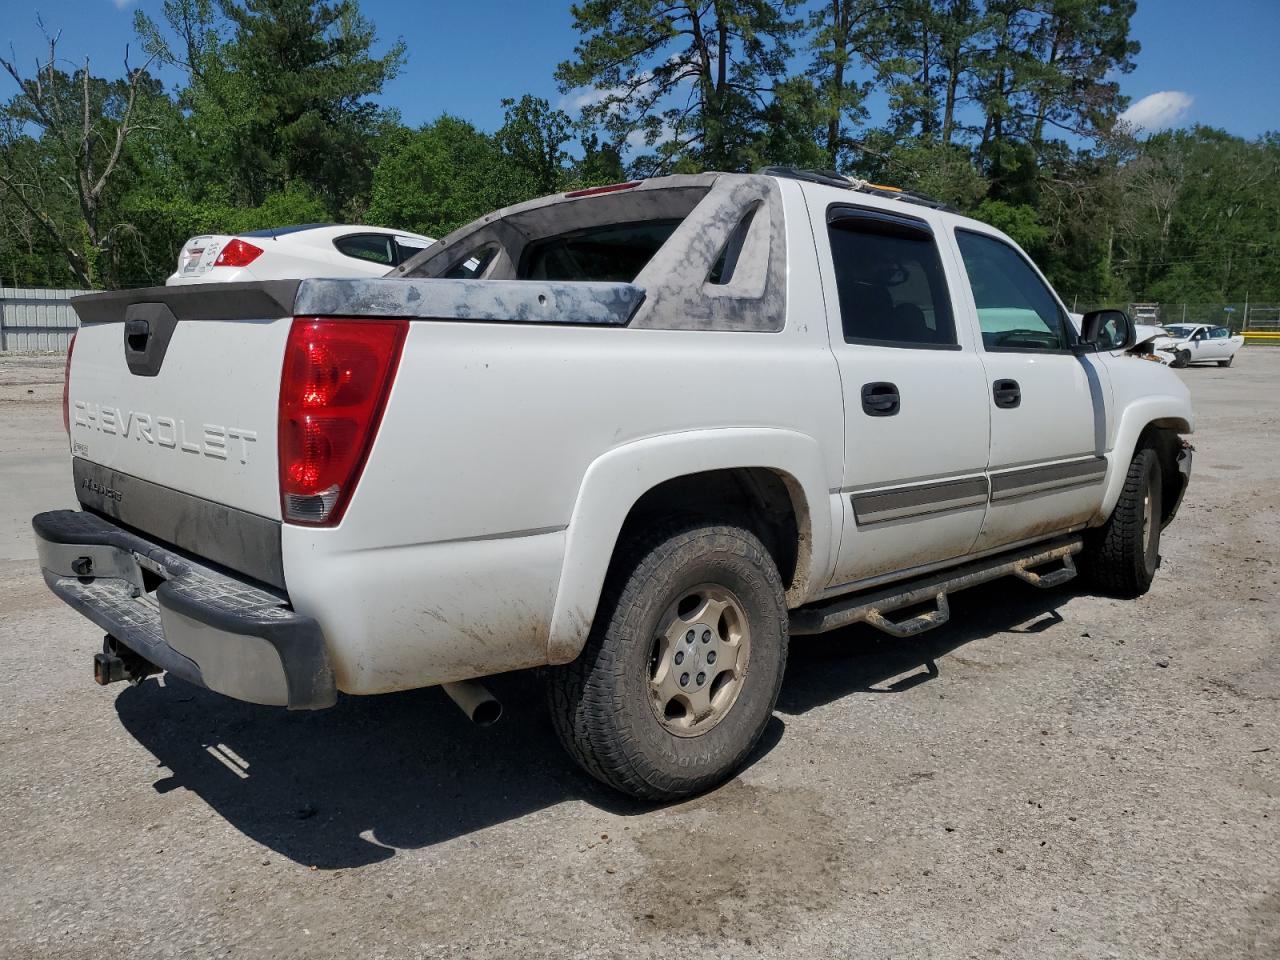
374,247
616,252
471,265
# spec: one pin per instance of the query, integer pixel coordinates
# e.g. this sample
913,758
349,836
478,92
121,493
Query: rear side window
1016,310
1219,333
616,252
406,248
889,277
377,248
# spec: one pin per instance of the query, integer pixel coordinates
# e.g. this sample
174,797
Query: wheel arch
1158,420
739,472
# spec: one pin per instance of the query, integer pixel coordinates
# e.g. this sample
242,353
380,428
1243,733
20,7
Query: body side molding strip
900,503
1017,483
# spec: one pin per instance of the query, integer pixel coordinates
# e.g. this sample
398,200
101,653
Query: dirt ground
1077,777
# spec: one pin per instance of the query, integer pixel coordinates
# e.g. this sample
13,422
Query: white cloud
575,100
121,4
636,139
1156,111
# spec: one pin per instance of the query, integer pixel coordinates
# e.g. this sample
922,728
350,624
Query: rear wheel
683,665
1226,362
1121,556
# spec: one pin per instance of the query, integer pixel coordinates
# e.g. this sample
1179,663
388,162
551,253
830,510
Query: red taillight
237,253
337,374
66,388
610,188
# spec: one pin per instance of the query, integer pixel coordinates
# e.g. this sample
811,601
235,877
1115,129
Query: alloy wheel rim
698,659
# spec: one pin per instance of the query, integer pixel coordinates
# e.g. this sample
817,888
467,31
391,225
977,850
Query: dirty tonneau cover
493,301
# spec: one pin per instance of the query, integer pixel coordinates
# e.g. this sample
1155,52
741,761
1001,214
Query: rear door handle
1006,393
880,399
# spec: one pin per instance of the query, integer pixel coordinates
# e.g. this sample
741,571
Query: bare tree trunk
840,23
71,129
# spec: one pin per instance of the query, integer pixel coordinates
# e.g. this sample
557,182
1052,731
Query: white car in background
294,253
1188,343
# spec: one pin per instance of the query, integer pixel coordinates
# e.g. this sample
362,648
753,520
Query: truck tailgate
179,386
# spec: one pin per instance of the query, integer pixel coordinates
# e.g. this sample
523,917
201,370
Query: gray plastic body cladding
494,301
755,298
245,542
679,297
254,300
513,227
156,323
1055,476
241,631
878,506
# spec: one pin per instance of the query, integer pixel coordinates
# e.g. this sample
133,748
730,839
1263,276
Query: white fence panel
34,319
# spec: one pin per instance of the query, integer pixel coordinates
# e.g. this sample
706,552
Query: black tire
1121,556
1181,359
601,703
1226,362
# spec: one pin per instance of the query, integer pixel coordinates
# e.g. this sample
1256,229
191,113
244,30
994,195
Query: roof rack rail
833,179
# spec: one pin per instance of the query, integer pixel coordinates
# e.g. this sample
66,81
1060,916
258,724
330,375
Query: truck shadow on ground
352,785
860,659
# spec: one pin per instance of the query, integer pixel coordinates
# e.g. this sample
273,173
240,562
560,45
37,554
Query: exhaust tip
486,714
481,707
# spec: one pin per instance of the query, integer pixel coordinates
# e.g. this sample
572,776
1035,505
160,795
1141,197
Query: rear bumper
207,627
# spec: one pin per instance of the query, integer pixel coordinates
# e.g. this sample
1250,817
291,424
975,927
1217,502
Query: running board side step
875,608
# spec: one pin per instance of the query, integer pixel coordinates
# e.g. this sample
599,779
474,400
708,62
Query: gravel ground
1051,775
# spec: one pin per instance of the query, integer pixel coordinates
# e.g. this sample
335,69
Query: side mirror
1107,330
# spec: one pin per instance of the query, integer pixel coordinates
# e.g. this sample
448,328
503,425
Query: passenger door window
1016,309
890,281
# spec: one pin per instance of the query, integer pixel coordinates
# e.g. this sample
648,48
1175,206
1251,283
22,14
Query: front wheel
1121,556
683,664
1181,359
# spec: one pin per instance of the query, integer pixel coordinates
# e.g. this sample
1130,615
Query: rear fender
617,480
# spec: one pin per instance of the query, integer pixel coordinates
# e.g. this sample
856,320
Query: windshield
1180,330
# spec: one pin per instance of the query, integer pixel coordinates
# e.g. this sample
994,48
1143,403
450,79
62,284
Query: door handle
1007,394
136,334
880,399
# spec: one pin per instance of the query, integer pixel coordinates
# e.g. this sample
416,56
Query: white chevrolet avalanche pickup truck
637,436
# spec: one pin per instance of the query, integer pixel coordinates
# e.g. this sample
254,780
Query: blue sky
1214,63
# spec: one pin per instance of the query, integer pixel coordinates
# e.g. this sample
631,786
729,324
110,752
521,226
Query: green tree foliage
442,176
600,164
286,99
532,137
842,33
690,81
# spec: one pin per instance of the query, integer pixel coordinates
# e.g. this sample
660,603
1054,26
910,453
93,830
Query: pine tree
689,81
